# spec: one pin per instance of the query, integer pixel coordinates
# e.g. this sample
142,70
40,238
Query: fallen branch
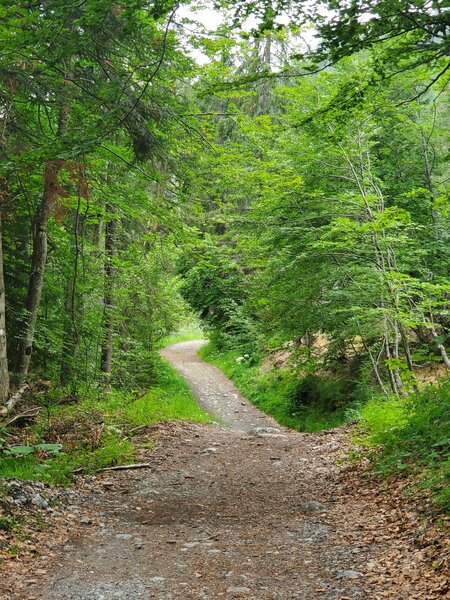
15,398
27,415
126,467
141,428
136,429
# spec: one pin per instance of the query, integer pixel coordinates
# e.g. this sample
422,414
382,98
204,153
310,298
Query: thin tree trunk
384,259
395,355
440,347
4,373
40,242
406,347
374,363
98,236
108,301
39,260
266,84
71,337
389,358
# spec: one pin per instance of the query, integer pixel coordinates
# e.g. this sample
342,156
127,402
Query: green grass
18,468
185,334
411,436
172,400
94,431
275,392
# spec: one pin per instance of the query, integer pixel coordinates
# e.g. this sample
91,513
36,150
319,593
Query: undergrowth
185,334
97,430
309,404
411,436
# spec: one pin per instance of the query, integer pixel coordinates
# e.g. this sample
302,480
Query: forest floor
240,509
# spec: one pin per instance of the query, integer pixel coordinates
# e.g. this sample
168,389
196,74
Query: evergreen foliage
296,199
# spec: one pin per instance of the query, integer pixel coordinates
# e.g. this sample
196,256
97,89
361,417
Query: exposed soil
245,509
214,391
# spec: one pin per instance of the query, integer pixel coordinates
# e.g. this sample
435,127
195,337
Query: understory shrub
326,392
307,403
95,432
412,435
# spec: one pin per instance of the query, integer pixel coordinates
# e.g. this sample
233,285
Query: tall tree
85,71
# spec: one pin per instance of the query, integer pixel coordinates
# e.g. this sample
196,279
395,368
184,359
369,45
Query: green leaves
27,450
19,450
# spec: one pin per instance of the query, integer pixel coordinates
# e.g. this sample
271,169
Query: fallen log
15,398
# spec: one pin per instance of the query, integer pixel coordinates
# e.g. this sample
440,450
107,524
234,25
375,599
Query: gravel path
248,510
215,392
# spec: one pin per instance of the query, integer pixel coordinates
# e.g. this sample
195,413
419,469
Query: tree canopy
280,193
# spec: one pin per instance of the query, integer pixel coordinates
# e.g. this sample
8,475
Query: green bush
413,436
278,392
329,393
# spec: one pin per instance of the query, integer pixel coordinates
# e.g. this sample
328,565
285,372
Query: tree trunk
374,363
72,311
108,301
395,355
39,260
439,345
266,83
406,346
392,379
40,241
4,373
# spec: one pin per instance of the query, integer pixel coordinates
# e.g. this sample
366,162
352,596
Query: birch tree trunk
360,170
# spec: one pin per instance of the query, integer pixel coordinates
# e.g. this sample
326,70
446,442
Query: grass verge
185,334
96,432
278,392
411,436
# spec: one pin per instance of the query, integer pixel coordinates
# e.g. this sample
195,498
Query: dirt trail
247,511
214,391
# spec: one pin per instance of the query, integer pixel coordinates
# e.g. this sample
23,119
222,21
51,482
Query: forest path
224,512
214,391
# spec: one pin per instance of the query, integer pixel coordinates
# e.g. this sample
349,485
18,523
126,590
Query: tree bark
50,193
406,346
39,260
439,345
108,301
72,310
4,373
13,400
266,84
392,378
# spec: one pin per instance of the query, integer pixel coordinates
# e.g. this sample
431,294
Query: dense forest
281,175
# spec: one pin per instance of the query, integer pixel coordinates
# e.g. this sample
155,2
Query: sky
211,19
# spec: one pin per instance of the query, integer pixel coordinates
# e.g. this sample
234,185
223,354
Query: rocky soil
241,509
